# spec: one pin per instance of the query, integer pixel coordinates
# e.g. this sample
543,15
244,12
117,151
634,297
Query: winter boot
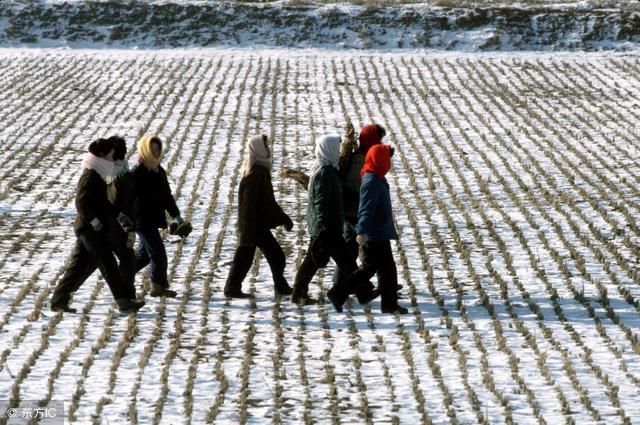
58,308
337,298
302,299
161,291
396,309
235,293
283,290
127,305
281,287
367,293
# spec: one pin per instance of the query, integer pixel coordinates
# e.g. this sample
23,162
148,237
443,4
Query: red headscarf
370,135
377,161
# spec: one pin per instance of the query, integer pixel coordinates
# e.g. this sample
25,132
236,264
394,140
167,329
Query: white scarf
101,166
120,167
256,154
327,152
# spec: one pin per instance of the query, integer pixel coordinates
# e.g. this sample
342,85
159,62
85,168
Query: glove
125,222
131,239
289,224
96,224
362,239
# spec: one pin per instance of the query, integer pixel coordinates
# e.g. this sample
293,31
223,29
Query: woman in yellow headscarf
153,198
150,151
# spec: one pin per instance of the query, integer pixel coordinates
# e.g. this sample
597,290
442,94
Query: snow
472,26
552,136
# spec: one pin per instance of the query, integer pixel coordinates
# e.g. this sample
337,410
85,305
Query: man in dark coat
122,194
92,250
258,212
351,164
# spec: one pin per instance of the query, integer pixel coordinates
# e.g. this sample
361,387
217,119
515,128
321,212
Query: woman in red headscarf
376,229
350,168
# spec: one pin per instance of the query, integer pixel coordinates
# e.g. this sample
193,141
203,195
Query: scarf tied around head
146,153
327,152
377,161
256,154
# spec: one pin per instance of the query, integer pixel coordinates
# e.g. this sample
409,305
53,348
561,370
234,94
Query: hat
101,147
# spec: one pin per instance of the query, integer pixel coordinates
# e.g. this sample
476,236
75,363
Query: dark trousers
349,234
244,257
92,251
320,250
378,259
152,252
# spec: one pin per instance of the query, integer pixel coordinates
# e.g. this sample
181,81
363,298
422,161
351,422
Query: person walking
352,158
325,217
121,193
153,198
96,215
376,229
258,213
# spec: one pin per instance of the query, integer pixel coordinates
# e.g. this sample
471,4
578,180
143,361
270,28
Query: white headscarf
256,154
102,166
327,152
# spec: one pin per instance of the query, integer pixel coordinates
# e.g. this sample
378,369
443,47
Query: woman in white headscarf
258,213
325,219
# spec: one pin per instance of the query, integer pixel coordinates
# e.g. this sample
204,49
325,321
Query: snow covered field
516,191
455,25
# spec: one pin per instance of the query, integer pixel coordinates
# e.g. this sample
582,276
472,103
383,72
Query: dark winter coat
125,202
325,209
257,206
375,217
370,136
351,186
153,198
92,202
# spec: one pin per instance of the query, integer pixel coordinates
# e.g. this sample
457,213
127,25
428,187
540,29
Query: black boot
302,299
126,305
161,291
59,308
235,293
396,309
367,293
281,287
337,298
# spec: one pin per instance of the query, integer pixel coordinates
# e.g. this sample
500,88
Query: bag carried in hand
183,229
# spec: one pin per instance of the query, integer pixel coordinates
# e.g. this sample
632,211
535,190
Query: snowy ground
471,26
515,187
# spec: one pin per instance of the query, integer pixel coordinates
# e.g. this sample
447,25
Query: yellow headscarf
145,152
